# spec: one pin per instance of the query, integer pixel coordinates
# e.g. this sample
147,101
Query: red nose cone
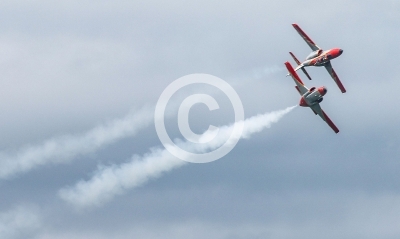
336,52
322,90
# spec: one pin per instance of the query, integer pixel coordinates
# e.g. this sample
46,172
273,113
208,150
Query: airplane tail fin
299,63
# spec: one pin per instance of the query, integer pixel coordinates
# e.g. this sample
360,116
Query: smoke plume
110,181
65,148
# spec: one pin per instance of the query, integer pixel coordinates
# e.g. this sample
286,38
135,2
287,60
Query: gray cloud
19,222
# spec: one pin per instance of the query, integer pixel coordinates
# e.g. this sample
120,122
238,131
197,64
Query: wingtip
335,129
293,73
330,123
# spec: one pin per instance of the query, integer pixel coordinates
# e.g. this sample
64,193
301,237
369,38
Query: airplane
311,97
318,57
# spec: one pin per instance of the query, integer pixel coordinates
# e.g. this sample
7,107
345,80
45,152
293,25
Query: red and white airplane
311,97
318,57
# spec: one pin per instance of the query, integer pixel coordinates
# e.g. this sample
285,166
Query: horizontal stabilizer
305,73
299,63
294,58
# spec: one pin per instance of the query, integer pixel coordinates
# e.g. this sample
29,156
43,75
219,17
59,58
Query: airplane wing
299,84
328,67
308,40
317,109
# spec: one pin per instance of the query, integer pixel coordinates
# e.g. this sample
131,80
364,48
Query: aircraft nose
322,90
340,51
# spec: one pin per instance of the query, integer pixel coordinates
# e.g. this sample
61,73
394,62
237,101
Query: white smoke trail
65,148
259,73
108,182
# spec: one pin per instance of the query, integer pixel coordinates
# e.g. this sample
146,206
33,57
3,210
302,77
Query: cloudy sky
80,156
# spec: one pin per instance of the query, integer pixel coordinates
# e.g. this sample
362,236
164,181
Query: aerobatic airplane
318,57
311,97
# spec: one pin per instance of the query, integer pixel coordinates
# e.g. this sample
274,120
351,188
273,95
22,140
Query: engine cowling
314,54
313,96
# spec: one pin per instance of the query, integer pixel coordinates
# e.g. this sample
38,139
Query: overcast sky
80,156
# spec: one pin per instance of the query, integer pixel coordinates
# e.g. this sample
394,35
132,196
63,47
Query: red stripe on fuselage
295,59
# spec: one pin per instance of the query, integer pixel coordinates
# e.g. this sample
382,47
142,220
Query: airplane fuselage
313,96
320,58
